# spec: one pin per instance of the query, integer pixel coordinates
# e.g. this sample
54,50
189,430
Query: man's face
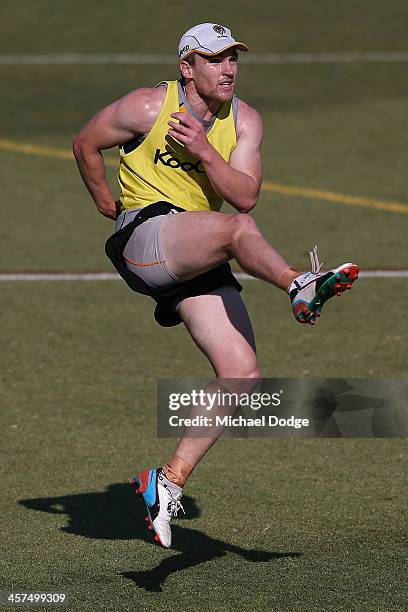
214,77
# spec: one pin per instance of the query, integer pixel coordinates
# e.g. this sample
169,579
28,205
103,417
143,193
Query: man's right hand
112,212
130,116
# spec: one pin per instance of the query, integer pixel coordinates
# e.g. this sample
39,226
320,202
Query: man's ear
186,69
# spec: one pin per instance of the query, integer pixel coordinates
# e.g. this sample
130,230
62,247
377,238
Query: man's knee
250,381
254,374
243,380
241,369
242,224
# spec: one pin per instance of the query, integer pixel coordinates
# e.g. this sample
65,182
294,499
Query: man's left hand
189,132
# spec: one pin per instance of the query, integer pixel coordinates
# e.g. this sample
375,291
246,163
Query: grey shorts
144,252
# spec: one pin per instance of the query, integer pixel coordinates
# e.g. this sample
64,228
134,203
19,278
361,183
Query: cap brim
236,45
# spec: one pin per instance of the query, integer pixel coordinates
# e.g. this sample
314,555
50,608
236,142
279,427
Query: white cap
207,39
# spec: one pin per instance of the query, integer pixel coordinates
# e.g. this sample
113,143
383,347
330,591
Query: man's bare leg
220,326
195,242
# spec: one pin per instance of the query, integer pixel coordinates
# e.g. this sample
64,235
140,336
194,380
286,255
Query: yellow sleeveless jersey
160,168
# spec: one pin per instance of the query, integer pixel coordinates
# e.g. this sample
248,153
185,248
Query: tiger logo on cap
219,29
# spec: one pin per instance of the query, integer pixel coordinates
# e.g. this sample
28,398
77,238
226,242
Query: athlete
186,146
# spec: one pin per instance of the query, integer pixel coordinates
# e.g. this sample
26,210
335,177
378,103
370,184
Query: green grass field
279,525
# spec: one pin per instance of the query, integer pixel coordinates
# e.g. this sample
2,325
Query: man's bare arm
121,121
239,181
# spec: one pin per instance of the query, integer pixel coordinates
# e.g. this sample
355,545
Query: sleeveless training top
158,168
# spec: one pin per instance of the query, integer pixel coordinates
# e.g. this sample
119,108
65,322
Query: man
185,147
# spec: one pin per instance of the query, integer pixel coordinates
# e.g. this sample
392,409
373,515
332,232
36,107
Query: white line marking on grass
384,274
108,276
325,58
159,59
363,274
59,276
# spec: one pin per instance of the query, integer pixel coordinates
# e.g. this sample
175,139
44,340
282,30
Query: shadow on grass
114,514
117,514
200,549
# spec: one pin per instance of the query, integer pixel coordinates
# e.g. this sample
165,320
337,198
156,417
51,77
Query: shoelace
174,506
314,260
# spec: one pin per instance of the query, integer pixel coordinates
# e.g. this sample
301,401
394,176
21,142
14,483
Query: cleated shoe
162,499
308,292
